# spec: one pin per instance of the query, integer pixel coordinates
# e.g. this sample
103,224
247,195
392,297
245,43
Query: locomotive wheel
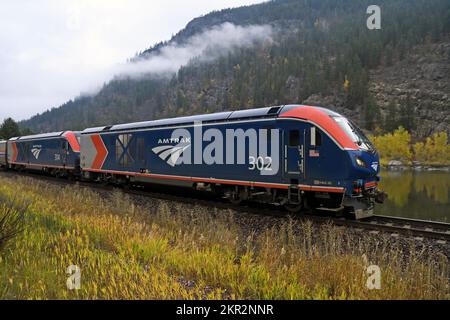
236,197
293,208
218,191
235,200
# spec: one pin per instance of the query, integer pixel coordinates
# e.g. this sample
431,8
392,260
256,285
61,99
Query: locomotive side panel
244,152
326,163
207,154
39,153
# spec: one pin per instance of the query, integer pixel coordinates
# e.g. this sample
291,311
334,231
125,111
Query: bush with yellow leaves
397,146
394,146
434,151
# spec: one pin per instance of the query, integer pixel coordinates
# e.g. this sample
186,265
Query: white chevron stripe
158,150
176,155
164,155
170,154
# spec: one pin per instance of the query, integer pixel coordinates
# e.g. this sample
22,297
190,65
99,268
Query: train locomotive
301,157
57,153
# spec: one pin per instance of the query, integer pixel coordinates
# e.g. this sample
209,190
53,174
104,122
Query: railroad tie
395,235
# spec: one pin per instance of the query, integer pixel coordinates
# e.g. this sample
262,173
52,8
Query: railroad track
398,226
395,226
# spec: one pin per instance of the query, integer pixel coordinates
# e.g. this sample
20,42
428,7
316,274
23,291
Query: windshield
354,133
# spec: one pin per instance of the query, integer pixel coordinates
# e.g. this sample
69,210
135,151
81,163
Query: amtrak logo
375,166
36,151
169,153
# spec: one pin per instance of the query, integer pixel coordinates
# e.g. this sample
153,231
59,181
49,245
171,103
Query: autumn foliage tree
435,150
394,146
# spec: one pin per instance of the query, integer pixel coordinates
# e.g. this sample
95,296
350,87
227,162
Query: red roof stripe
73,141
323,120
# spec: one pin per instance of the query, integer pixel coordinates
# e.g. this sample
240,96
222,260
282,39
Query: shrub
11,220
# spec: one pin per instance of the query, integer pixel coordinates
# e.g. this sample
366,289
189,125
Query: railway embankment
135,247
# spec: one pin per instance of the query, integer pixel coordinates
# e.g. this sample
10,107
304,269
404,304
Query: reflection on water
419,195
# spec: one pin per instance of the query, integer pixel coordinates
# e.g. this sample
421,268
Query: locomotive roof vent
40,136
274,110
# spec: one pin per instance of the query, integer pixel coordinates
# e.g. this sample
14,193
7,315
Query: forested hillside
321,53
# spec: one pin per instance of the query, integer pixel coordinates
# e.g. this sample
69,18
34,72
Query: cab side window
65,145
294,138
316,137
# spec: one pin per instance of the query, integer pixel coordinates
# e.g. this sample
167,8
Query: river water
418,195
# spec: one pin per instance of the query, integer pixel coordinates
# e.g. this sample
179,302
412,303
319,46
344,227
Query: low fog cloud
206,46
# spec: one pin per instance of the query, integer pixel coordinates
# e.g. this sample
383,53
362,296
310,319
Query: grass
162,250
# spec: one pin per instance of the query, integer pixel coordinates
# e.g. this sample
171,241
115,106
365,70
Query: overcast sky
53,50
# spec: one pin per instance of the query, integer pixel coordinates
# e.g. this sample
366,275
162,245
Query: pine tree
371,113
407,117
26,132
9,129
391,120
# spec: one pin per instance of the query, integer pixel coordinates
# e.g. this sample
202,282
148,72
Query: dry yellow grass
128,251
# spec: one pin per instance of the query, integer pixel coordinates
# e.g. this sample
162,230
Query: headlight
360,163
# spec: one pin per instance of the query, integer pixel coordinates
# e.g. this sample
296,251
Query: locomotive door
294,154
25,149
65,153
140,156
